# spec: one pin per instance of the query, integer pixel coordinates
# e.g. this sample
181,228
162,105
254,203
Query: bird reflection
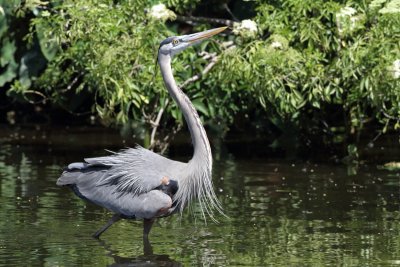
147,259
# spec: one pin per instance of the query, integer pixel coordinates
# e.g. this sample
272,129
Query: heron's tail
77,171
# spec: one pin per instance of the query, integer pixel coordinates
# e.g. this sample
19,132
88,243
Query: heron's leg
147,248
114,218
147,224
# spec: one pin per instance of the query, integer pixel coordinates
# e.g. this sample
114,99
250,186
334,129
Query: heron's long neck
202,150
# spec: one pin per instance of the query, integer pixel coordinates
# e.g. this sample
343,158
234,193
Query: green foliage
303,60
107,50
182,5
318,55
20,62
7,61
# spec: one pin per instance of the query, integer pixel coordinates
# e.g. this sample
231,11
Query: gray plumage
137,183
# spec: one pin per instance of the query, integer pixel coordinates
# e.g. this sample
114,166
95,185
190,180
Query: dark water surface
281,213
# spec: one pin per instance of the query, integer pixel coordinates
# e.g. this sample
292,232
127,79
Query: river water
280,212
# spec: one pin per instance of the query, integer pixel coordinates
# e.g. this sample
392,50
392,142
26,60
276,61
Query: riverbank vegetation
321,72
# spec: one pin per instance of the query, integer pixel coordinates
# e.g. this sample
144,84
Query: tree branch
191,20
225,5
157,123
169,136
207,68
72,83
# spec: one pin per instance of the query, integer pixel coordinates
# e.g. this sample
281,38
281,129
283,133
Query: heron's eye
175,42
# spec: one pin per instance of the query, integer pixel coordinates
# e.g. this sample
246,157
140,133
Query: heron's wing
136,171
147,205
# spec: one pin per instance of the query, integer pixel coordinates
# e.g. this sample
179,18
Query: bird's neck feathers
201,145
197,182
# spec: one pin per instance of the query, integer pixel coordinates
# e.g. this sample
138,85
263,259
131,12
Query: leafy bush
328,64
316,56
19,61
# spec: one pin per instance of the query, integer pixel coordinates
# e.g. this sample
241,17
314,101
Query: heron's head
175,44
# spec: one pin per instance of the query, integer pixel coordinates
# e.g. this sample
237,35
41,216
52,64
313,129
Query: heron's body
137,183
99,180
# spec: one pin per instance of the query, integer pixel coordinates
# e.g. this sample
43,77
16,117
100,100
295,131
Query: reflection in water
280,213
147,259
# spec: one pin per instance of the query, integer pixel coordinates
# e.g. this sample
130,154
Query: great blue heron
137,183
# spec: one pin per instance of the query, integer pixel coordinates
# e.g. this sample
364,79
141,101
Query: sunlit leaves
347,56
110,46
305,57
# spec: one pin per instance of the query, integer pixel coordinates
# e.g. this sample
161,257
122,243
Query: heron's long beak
197,37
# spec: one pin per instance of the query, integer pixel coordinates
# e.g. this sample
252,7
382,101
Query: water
281,213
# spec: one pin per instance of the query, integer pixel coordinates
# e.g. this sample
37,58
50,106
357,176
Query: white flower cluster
278,42
347,11
161,12
396,69
392,7
246,28
346,20
276,45
376,4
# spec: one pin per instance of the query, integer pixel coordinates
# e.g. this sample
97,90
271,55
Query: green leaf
199,105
